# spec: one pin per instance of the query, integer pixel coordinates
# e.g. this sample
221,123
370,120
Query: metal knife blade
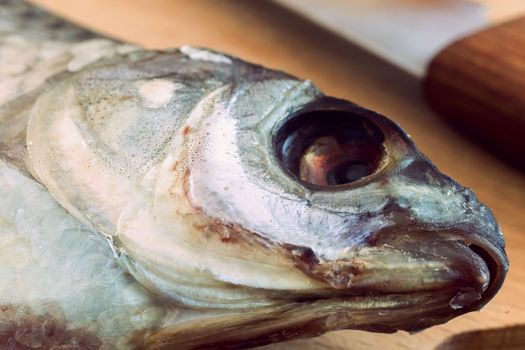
408,33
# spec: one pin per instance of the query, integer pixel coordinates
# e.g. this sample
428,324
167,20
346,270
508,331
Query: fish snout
463,262
430,276
446,219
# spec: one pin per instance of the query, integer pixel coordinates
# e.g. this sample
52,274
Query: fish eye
329,147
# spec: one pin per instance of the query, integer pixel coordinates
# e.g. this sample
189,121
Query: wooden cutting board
261,32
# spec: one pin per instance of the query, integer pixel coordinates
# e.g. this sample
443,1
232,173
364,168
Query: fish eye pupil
347,172
329,148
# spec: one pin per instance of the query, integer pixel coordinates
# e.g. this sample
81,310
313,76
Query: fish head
334,218
248,196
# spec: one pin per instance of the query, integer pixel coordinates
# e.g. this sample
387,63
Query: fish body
247,206
61,285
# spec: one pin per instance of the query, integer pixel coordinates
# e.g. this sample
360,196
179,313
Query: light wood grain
261,32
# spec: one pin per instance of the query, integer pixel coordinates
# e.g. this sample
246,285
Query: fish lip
493,254
417,310
484,243
480,274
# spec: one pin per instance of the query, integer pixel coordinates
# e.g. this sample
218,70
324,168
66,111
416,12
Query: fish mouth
476,269
474,261
428,276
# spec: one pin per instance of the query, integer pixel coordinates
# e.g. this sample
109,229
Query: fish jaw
384,314
433,294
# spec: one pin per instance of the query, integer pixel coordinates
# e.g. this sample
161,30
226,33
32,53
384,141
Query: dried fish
248,206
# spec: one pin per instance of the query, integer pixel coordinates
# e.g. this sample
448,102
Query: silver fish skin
61,285
248,206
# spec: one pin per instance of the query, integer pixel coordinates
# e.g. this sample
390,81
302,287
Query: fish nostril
329,147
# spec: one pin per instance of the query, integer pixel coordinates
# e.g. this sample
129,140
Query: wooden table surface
261,32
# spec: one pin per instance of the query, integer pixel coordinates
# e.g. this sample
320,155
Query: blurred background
464,105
